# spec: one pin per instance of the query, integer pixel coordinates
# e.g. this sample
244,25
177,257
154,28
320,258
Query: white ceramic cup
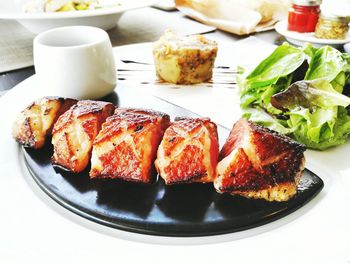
75,62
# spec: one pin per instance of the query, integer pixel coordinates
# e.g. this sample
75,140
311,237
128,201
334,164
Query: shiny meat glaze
258,163
34,124
188,152
75,131
126,146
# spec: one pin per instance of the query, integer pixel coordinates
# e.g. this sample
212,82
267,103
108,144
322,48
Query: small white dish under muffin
104,18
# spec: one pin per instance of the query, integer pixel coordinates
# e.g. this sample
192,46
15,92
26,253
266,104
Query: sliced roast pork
74,132
126,147
258,163
189,151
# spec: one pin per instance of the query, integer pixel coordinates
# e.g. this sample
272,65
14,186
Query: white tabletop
34,228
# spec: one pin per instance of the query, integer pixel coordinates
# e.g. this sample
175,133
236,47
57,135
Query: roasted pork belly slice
127,144
258,163
34,124
188,152
74,132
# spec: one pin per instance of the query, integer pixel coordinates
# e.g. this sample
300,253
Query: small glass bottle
332,27
303,15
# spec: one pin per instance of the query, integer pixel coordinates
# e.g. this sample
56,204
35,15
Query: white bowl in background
104,18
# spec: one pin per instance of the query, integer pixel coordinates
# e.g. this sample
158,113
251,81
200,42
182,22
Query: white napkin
236,16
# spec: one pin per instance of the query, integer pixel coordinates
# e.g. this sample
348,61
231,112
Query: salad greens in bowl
301,92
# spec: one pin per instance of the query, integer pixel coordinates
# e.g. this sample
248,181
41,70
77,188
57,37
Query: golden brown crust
280,193
35,123
126,146
257,162
184,59
75,131
188,152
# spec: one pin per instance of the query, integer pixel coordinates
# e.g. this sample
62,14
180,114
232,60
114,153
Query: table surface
10,79
121,36
318,237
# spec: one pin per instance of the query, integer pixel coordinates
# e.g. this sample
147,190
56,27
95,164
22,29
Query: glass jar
303,15
332,27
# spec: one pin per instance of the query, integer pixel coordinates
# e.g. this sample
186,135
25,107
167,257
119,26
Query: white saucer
300,39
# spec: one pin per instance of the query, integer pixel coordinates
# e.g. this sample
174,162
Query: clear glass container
332,27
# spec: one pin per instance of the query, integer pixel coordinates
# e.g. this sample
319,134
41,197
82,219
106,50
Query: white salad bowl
104,18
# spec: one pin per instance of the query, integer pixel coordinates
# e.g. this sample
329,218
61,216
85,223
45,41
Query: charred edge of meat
141,111
294,144
29,141
93,109
192,119
193,179
153,178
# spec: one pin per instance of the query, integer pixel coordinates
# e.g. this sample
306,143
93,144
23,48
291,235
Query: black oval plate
181,210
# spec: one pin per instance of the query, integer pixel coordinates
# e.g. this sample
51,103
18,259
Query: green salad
301,92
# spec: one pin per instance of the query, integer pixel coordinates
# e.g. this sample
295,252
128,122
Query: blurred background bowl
104,18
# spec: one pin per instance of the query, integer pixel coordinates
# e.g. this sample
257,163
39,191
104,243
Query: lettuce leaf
317,113
309,94
283,61
271,76
331,64
313,127
323,129
327,62
265,119
313,111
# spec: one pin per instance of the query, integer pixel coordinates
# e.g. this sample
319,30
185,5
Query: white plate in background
300,39
105,18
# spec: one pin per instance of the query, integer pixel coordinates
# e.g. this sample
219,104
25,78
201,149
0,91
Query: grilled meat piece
126,146
188,152
34,124
75,131
258,163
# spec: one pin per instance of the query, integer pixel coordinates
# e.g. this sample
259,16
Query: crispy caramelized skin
258,163
188,152
35,122
75,131
126,147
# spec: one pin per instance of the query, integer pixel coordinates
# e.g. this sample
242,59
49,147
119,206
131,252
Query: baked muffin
184,59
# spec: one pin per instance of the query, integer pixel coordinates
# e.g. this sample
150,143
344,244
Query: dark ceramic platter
182,210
